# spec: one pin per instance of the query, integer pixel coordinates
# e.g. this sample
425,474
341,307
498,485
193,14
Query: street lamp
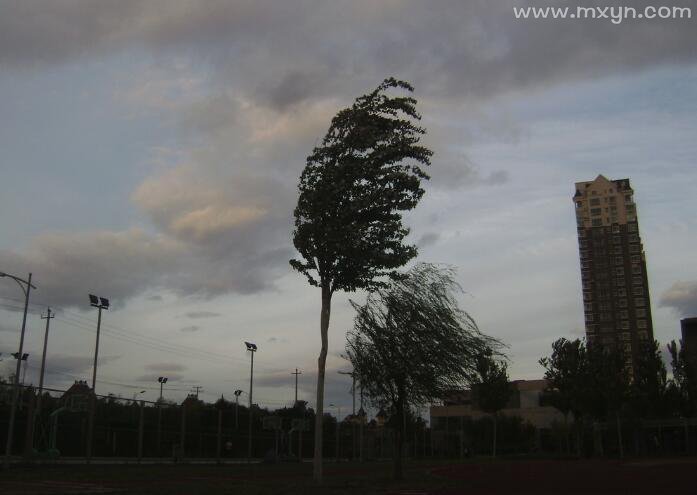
100,303
338,432
162,380
26,287
237,405
252,348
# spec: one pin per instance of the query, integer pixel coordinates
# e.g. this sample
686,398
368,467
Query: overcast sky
151,152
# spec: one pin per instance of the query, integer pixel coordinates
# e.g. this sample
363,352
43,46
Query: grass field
474,477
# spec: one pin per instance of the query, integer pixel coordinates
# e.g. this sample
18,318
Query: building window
579,204
624,314
618,249
617,240
587,296
625,336
619,271
594,201
634,248
588,307
622,303
640,313
622,292
596,222
641,324
596,211
638,291
636,269
633,238
619,281
632,227
628,348
643,335
636,258
639,302
589,317
624,325
619,260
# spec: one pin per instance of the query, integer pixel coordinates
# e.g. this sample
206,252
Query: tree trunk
494,449
321,363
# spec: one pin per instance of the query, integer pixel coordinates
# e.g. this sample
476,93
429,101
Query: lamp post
25,357
100,303
353,411
162,380
338,431
26,287
237,405
252,348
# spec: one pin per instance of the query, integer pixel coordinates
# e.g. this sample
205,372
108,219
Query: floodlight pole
296,383
251,348
99,303
26,287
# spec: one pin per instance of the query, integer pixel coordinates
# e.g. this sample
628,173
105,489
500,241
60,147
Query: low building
525,402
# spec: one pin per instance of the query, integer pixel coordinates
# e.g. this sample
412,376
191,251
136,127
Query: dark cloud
202,314
190,329
682,298
450,47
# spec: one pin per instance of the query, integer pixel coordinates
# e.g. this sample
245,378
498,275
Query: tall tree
353,190
567,384
608,382
492,388
411,344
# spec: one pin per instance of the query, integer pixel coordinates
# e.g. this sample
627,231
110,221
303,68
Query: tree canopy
368,169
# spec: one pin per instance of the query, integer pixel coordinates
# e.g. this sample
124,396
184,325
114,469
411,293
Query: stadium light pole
26,287
100,303
252,348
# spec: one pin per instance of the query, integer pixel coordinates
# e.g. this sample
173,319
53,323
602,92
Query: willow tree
412,345
353,190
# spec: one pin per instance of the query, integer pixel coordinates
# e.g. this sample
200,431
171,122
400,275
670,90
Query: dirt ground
474,477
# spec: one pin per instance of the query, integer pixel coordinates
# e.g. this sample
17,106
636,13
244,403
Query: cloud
165,367
190,329
682,298
428,239
202,314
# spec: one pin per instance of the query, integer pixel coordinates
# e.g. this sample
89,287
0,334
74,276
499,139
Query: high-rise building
616,300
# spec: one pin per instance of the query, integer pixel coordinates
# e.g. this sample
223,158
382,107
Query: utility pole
296,384
100,303
198,389
26,286
37,410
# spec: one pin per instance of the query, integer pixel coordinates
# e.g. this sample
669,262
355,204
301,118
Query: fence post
140,431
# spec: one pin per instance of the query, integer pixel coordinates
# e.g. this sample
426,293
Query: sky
151,152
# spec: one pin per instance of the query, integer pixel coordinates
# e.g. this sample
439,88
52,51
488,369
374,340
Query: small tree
650,385
492,388
411,344
348,224
684,379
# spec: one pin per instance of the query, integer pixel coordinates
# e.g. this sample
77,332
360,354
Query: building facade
616,300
